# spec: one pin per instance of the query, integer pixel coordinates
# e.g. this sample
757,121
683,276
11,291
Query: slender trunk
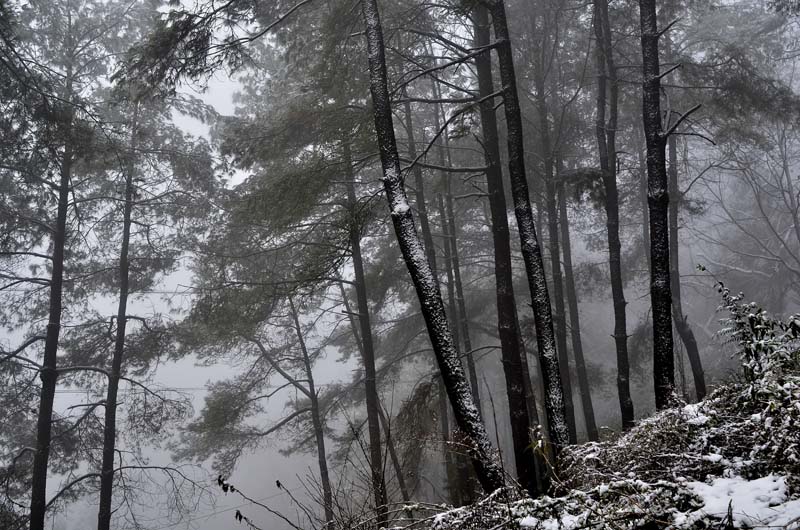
551,209
510,340
658,205
419,183
110,426
606,139
531,251
398,468
681,321
456,265
368,349
450,464
49,371
467,418
643,199
316,420
574,319
401,481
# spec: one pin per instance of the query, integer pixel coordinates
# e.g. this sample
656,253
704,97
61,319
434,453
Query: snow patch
758,502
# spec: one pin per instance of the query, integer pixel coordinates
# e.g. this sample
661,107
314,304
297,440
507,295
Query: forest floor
730,461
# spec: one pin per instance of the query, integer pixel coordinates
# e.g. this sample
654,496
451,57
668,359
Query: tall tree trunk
606,139
658,205
368,351
643,198
551,208
681,321
531,251
510,340
450,463
401,481
430,249
49,371
466,415
574,318
419,183
316,420
462,317
48,374
110,425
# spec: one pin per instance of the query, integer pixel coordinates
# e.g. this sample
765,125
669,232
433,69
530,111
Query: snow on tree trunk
531,251
510,341
467,418
658,205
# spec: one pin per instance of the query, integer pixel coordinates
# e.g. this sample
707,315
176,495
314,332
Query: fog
329,264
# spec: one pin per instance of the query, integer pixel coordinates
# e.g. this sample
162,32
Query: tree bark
466,415
510,341
574,319
49,371
531,251
48,374
316,420
658,205
110,424
463,320
559,320
606,139
401,481
681,321
450,462
368,348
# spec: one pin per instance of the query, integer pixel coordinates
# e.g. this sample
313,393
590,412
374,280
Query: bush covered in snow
731,461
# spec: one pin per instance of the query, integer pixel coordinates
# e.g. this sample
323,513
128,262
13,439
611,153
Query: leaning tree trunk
510,340
368,348
430,250
606,140
574,318
531,251
316,420
466,415
658,205
110,425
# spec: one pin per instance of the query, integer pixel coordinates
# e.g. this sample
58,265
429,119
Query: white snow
754,503
693,414
565,522
400,207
